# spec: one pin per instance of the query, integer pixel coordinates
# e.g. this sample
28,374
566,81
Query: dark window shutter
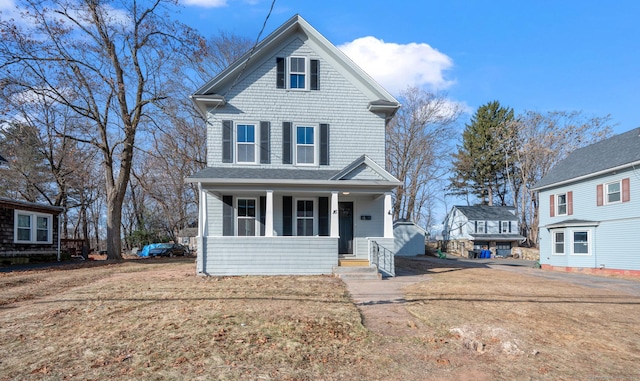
599,195
265,143
227,215
552,206
263,214
280,72
323,216
626,194
287,215
227,141
315,75
569,203
509,226
476,228
286,143
324,144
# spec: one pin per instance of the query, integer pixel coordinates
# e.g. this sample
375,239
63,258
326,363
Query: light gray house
468,228
590,208
295,154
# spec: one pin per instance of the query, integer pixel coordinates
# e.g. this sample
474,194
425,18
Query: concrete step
357,272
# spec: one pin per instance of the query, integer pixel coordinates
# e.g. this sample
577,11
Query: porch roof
498,237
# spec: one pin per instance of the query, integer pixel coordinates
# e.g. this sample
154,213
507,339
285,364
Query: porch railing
383,258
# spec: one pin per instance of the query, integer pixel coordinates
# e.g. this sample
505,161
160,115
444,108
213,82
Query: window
305,147
297,73
558,243
301,73
247,217
246,141
480,227
581,242
561,204
613,192
304,217
506,227
31,227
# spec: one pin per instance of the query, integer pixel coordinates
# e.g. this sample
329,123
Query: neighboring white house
590,208
295,156
468,228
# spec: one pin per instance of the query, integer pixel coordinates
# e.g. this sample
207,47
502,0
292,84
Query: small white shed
409,238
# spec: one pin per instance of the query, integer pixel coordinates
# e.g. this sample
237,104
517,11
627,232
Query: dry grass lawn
155,320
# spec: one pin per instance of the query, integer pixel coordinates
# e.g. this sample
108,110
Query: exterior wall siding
614,242
28,251
354,130
270,256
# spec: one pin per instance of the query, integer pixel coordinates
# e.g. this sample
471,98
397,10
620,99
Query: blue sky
530,55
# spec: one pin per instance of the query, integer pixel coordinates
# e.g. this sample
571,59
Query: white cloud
397,66
205,3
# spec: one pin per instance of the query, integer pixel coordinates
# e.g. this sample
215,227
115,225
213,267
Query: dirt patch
139,320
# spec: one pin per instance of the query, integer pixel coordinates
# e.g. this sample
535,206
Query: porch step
368,272
353,262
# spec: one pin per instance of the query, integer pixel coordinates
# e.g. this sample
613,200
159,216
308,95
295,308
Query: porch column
202,229
388,216
268,219
335,232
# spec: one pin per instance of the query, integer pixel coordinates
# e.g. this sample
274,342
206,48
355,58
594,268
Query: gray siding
615,242
353,129
270,255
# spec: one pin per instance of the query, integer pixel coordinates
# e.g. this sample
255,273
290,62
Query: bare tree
108,65
543,140
418,140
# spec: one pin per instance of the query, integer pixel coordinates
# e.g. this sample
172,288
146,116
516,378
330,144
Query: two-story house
468,228
295,174
590,208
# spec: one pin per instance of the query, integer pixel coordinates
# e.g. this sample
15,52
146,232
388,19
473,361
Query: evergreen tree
483,163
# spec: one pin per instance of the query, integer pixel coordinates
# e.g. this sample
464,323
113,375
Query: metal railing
383,258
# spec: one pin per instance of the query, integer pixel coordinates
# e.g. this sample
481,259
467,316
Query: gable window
247,217
305,145
31,227
580,240
558,243
246,143
304,217
297,73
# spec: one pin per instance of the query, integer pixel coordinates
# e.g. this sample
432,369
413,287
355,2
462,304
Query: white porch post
268,219
388,216
202,229
335,232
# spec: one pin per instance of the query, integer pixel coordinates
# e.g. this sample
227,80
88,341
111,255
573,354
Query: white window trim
484,227
588,231
316,144
553,242
33,227
256,136
504,229
315,215
566,204
238,217
606,192
306,73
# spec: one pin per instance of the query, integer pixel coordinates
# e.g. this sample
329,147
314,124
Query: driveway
382,302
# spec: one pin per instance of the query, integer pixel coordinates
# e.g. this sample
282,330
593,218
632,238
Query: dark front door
345,245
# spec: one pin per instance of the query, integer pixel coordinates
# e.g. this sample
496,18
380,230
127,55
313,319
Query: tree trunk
114,219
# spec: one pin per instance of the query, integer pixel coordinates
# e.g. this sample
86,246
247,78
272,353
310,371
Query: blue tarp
145,250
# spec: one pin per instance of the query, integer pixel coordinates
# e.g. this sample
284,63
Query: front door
345,245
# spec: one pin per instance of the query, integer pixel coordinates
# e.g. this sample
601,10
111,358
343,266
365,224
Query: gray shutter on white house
263,214
227,216
314,83
287,215
324,144
280,72
265,143
286,143
227,141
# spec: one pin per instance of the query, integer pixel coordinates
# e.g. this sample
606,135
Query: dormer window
297,73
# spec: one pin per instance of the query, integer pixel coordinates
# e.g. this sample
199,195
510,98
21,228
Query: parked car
167,250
